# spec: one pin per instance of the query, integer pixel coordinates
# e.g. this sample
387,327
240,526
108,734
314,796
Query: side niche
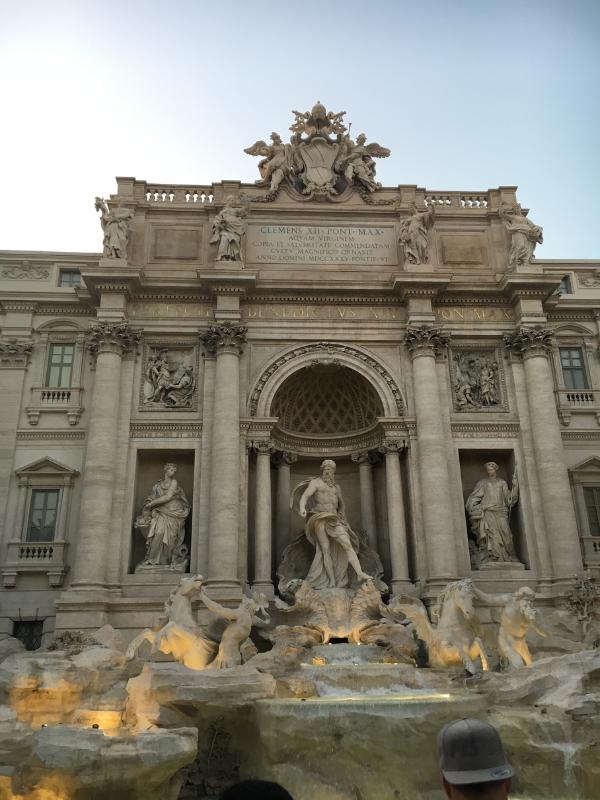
169,380
493,514
477,378
162,514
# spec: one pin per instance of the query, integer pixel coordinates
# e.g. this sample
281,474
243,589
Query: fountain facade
304,467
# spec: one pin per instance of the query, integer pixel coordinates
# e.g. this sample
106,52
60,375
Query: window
29,632
592,505
42,515
571,361
60,365
69,277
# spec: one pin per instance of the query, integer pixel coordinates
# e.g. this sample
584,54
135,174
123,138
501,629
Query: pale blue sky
468,95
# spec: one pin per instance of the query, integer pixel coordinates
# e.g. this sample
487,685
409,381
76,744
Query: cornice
491,430
580,436
324,299
165,430
52,435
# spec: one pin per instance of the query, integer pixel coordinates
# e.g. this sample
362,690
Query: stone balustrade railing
591,550
466,200
35,557
46,398
177,195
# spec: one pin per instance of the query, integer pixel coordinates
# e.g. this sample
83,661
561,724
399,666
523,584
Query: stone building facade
243,333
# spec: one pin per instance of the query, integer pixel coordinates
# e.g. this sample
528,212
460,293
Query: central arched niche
329,410
326,399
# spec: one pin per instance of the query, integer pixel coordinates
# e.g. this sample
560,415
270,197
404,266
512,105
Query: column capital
284,457
390,446
361,457
224,338
116,336
264,448
14,353
426,340
528,342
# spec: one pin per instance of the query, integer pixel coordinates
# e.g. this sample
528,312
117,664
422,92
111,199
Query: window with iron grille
592,504
69,277
29,632
574,374
41,526
60,365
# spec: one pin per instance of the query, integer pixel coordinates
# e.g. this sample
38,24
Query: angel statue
280,161
228,228
355,161
414,234
115,226
524,235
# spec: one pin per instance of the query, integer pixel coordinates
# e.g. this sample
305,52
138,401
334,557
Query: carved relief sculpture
168,384
524,235
488,507
228,228
476,380
162,522
320,160
116,228
328,553
414,234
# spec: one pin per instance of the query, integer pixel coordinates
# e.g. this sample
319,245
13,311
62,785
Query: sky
467,95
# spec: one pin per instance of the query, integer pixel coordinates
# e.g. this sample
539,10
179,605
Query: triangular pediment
46,466
591,464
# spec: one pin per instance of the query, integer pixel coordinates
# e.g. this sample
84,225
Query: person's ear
447,787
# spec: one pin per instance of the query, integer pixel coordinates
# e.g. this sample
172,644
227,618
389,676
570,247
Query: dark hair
478,791
255,790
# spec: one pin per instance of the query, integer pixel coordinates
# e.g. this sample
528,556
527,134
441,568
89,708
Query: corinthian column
424,343
283,461
262,529
108,341
534,345
226,341
396,516
367,496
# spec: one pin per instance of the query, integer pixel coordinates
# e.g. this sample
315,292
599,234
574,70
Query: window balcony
48,558
591,550
576,401
67,400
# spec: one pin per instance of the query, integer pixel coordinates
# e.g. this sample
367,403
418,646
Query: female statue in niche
488,507
162,522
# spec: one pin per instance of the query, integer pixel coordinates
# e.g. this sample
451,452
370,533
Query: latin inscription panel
321,244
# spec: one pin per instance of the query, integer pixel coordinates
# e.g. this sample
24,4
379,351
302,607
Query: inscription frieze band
321,244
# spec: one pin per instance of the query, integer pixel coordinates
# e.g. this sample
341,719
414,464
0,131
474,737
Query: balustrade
201,195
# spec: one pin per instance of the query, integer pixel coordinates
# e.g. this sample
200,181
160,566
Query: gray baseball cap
471,751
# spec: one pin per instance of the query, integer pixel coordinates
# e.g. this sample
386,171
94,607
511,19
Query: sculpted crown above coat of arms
320,161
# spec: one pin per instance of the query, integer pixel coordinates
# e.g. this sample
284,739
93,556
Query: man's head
328,470
256,790
472,761
491,468
525,597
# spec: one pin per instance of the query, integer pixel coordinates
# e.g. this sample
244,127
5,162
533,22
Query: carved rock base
497,566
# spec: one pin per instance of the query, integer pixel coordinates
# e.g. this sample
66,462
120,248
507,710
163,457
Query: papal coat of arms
320,160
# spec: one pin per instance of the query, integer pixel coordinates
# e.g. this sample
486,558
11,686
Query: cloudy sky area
468,95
